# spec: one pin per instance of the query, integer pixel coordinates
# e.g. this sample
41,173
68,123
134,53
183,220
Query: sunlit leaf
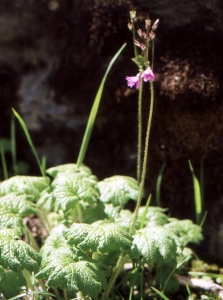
29,185
69,189
63,270
156,245
69,168
16,254
101,236
118,190
186,230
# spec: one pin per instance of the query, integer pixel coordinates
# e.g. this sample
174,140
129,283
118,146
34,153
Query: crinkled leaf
11,283
62,270
17,204
69,168
16,254
54,241
156,245
154,216
118,189
12,208
69,189
29,185
187,230
101,236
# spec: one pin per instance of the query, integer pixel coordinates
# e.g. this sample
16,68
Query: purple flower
134,80
148,75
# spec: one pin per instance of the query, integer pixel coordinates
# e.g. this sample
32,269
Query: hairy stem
139,154
145,159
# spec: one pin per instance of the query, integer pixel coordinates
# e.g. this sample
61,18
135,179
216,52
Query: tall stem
145,159
139,154
121,260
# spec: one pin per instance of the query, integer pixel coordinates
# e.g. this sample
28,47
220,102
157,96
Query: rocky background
52,58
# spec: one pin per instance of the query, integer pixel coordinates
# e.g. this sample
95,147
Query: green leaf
118,189
156,244
64,271
101,236
29,185
16,254
69,189
186,230
13,208
54,241
159,293
11,283
69,168
154,217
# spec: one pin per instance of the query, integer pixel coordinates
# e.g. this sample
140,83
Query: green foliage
11,283
187,231
62,269
156,245
154,216
13,208
31,186
118,190
70,189
101,236
16,254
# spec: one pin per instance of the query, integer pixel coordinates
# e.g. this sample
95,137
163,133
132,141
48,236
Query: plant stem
13,146
145,158
31,241
118,268
139,155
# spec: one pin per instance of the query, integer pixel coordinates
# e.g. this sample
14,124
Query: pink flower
148,75
134,80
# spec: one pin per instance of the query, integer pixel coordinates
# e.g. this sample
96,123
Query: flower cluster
135,80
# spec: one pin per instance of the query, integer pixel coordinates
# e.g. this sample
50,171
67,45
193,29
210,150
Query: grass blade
197,195
94,111
13,146
4,165
25,129
158,184
159,293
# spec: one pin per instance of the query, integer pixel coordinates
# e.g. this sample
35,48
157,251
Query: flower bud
137,43
147,23
130,26
152,35
141,33
155,25
132,14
